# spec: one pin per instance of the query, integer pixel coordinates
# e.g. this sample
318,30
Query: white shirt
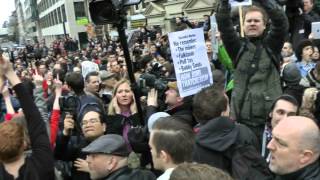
166,175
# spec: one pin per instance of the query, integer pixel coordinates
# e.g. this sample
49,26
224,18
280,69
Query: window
59,15
55,17
79,10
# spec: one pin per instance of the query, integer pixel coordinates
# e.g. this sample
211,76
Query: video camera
155,78
69,104
109,11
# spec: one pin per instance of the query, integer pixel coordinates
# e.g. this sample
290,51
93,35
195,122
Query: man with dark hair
68,145
256,58
295,149
218,135
171,143
76,83
284,106
92,83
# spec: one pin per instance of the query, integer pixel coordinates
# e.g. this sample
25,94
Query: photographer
176,105
68,147
256,60
14,163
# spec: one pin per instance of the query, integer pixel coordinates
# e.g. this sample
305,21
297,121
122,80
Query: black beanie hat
301,45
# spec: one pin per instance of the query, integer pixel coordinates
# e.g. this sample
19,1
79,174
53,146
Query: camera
69,104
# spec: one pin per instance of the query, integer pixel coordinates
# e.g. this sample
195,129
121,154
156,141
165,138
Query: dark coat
216,137
40,164
69,149
310,172
301,27
115,123
126,173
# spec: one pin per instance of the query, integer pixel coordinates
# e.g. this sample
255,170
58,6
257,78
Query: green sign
82,21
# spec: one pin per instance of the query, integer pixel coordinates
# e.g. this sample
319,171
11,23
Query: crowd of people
258,121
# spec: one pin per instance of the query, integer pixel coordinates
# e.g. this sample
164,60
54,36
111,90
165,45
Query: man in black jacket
295,149
256,60
68,145
14,163
217,133
108,159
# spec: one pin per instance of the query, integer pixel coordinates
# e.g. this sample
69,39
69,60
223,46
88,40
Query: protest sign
214,40
235,3
190,60
315,29
87,67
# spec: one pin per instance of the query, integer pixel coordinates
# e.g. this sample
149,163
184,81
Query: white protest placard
87,67
235,3
191,64
214,40
315,29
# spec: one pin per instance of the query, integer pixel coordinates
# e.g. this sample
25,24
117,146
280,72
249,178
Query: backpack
246,163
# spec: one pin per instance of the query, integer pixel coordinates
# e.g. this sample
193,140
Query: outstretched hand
152,99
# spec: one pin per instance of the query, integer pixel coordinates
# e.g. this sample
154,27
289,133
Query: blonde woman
122,111
308,107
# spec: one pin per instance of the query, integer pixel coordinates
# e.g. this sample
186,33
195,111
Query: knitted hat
291,74
300,47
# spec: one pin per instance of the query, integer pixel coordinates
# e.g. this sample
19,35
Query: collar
166,175
311,171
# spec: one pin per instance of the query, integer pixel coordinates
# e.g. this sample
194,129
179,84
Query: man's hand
68,125
38,80
81,165
58,87
152,99
5,92
6,71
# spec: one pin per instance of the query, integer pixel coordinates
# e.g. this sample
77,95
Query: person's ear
112,163
165,156
306,157
104,127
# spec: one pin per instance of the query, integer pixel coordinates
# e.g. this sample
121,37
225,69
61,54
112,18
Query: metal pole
134,86
64,30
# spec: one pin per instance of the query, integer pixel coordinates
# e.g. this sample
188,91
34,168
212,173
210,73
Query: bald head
304,129
295,144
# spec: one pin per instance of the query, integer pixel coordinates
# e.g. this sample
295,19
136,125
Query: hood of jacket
217,134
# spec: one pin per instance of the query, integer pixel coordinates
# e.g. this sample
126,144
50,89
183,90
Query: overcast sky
6,8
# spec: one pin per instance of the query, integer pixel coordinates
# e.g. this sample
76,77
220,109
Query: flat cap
108,144
104,75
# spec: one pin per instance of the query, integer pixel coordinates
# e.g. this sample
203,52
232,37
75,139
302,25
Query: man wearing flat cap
107,157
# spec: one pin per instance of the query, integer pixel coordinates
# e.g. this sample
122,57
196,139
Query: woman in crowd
122,110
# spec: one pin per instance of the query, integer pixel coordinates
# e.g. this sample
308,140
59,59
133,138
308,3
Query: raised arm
229,35
279,24
42,156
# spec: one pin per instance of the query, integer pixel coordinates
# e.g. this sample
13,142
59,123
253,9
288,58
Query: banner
234,3
191,64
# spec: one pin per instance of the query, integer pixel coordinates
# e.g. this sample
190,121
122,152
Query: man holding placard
256,59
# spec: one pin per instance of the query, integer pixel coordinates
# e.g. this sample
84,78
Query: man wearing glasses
68,148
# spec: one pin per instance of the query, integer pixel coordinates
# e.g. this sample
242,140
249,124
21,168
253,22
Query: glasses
92,121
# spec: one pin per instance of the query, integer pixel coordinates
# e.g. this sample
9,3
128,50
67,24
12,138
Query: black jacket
39,165
126,173
115,123
216,137
310,172
69,149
